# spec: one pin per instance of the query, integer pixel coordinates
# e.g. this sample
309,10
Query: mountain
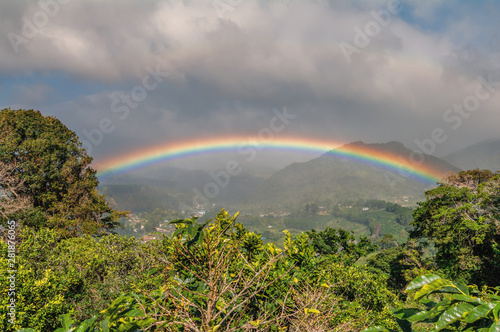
143,197
483,155
329,178
176,189
333,177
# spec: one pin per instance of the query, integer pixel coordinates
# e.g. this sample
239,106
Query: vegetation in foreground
69,272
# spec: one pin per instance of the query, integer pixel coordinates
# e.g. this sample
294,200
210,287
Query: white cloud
227,73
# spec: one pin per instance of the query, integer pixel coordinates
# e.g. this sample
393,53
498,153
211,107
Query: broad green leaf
425,316
401,318
115,306
133,313
495,327
85,325
429,304
466,298
105,325
431,287
66,321
405,313
421,281
452,289
177,232
201,237
376,329
199,231
404,325
442,306
479,312
127,327
177,221
61,329
496,309
26,330
146,322
453,314
463,288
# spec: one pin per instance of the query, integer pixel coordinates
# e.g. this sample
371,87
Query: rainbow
178,150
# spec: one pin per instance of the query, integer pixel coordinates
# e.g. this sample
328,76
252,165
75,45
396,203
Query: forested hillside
336,178
143,197
326,180
483,155
172,188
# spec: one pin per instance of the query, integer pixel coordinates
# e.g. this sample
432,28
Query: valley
332,190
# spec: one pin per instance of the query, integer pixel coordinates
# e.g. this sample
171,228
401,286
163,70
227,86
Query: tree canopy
341,243
461,216
51,169
211,276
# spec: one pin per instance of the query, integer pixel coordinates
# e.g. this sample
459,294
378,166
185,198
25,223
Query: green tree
53,168
211,276
341,243
461,216
81,275
401,264
388,241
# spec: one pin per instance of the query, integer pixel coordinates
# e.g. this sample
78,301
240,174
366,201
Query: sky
130,74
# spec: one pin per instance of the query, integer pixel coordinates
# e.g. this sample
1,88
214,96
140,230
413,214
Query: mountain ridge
482,155
328,178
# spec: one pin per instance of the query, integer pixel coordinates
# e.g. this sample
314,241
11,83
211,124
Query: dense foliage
66,272
401,264
461,217
206,276
49,161
448,306
78,275
341,243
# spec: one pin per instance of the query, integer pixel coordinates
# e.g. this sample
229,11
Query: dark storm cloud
224,73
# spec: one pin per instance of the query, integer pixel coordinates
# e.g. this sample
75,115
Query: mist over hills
482,155
174,188
325,179
335,178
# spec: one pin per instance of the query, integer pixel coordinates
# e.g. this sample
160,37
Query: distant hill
483,155
142,197
333,179
323,180
174,189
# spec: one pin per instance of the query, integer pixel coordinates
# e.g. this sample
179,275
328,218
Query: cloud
33,95
226,73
